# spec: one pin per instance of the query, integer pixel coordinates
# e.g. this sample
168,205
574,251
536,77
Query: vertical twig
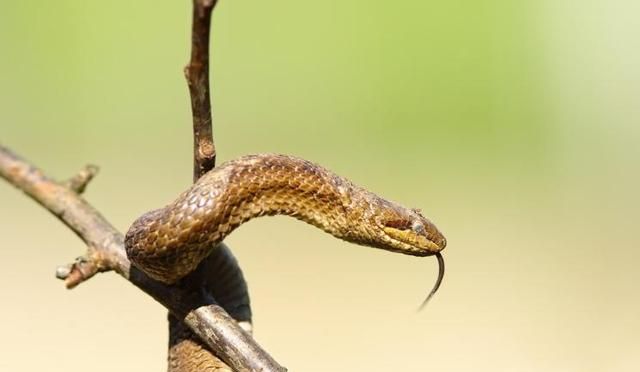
197,74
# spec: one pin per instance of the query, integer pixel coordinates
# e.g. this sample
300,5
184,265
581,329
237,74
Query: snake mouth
434,247
407,241
419,252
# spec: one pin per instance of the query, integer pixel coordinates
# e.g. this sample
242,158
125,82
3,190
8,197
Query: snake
169,243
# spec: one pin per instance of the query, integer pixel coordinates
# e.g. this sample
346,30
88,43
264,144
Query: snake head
408,231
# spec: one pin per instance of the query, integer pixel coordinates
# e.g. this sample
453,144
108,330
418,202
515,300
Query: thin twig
105,251
197,74
80,180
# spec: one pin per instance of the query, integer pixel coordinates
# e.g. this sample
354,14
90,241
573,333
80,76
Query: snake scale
169,243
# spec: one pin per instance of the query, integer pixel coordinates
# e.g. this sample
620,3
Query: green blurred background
512,124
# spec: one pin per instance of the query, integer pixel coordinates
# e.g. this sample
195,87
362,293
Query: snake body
170,242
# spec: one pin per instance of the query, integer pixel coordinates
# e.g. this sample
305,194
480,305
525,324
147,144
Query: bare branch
106,252
197,74
83,268
79,182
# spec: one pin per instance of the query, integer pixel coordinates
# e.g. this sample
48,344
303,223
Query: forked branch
187,302
105,251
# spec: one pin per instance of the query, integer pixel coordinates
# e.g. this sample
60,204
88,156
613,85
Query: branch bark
105,251
197,75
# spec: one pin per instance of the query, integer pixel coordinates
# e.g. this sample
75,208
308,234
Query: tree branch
105,251
197,74
190,302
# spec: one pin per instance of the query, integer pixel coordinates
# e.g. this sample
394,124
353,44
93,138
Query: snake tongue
438,281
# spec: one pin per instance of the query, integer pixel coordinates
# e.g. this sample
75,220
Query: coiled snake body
169,243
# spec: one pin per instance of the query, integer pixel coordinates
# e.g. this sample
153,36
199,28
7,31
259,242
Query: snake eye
418,228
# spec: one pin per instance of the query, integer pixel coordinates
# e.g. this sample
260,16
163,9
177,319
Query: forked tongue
438,281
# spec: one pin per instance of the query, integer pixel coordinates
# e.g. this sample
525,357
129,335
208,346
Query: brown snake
170,242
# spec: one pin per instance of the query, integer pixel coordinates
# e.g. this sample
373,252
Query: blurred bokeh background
512,124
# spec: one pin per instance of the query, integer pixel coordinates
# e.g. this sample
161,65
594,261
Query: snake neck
228,196
293,187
